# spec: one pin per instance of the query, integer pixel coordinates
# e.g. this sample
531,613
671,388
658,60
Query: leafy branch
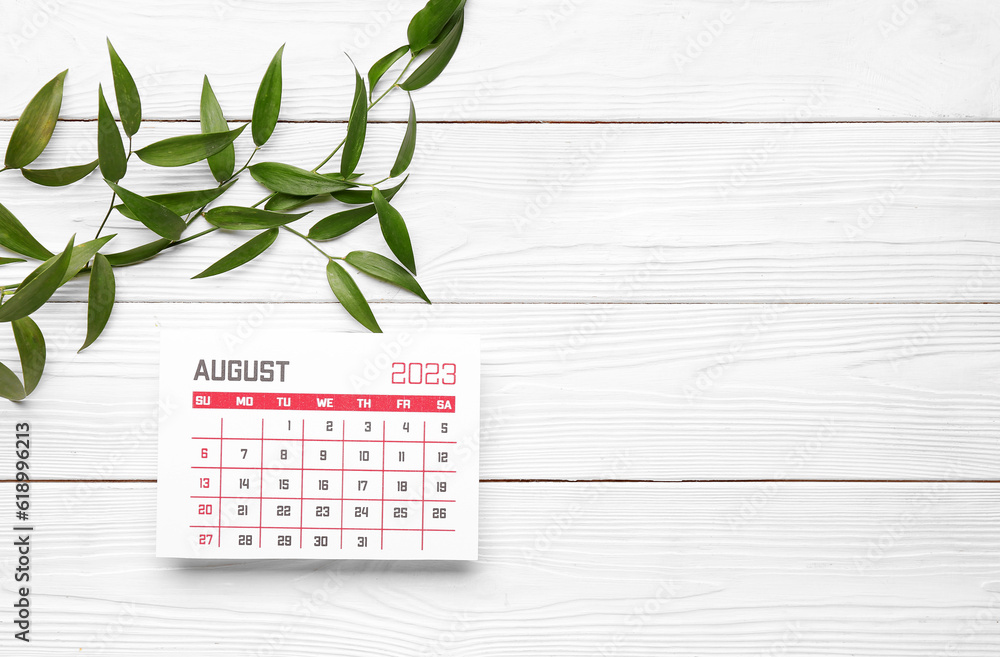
433,36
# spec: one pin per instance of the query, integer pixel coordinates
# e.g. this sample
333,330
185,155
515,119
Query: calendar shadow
358,567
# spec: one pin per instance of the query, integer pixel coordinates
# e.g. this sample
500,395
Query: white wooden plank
565,569
601,391
556,213
530,59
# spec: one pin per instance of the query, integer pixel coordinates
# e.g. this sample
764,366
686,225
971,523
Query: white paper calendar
313,445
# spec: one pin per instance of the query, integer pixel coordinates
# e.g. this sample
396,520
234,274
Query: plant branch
192,237
310,242
370,105
265,199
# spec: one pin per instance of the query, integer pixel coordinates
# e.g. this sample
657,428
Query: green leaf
183,202
10,385
82,253
457,16
380,67
9,261
337,224
110,149
268,103
138,254
284,202
394,231
384,269
187,149
100,299
427,24
126,93
350,296
59,177
34,129
241,254
155,216
232,217
289,179
30,297
357,126
31,348
362,196
436,62
223,163
14,236
405,155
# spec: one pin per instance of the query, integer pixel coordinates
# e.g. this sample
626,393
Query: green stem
310,242
330,156
265,199
242,168
110,208
193,237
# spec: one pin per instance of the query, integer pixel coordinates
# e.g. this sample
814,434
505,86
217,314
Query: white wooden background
741,369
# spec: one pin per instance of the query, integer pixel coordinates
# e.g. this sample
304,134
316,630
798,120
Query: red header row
270,401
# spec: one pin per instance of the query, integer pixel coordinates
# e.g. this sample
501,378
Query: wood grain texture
571,213
530,59
601,391
565,569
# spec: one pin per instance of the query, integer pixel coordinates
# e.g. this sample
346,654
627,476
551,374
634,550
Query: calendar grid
265,467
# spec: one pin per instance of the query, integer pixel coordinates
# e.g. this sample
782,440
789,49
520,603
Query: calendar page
313,445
